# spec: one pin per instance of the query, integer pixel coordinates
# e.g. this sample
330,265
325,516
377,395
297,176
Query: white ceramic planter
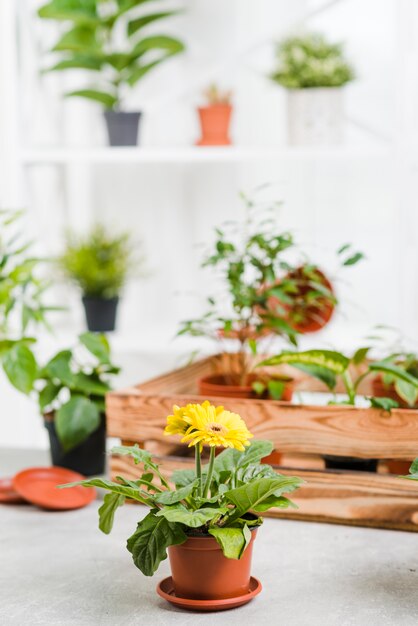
315,116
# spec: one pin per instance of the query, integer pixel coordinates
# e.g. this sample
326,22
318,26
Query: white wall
357,197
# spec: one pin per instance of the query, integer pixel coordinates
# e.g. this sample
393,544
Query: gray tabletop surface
58,569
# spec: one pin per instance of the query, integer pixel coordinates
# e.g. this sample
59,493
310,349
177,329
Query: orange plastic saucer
165,589
39,485
7,494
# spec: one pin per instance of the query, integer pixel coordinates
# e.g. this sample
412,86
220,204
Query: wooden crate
301,433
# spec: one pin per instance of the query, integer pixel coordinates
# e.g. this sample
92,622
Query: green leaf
159,42
138,455
352,260
274,502
414,467
148,545
80,38
71,10
397,372
276,388
103,97
387,404
360,355
333,361
321,373
182,478
140,22
77,62
20,367
258,387
254,471
48,394
98,345
233,541
123,490
75,421
257,450
252,495
193,519
407,392
59,368
172,497
111,502
89,385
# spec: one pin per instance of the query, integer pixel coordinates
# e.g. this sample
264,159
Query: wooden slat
336,430
358,499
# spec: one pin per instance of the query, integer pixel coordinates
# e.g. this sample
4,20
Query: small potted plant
328,366
265,297
215,118
209,521
70,390
94,41
313,71
99,264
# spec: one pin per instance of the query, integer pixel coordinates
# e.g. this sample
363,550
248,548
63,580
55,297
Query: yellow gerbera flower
214,426
181,420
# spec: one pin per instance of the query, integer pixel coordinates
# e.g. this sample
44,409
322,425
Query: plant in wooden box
327,366
313,71
99,264
22,302
266,296
107,40
209,521
70,390
215,118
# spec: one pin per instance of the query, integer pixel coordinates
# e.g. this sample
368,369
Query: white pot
315,116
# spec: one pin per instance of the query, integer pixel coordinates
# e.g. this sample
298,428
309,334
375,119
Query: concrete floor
58,569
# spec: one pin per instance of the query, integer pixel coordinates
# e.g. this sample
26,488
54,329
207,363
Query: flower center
217,428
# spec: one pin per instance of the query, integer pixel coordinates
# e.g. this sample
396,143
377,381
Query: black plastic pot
350,463
89,458
122,127
100,313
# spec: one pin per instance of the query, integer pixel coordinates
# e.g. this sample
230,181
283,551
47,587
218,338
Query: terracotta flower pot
400,468
381,390
313,317
224,386
200,570
214,122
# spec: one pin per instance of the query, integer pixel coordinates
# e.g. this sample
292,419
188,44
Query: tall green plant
91,41
22,302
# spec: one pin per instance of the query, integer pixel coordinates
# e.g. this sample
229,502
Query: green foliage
73,387
238,484
400,370
98,263
92,41
311,61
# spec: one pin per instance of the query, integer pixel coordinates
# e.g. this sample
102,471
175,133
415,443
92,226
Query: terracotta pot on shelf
226,387
381,390
315,316
200,570
214,123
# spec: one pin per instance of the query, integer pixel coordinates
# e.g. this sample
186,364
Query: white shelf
194,154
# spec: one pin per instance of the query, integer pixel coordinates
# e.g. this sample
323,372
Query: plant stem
351,392
198,466
210,472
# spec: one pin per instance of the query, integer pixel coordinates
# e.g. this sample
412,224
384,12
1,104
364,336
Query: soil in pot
122,127
200,570
89,458
100,313
228,387
350,464
214,122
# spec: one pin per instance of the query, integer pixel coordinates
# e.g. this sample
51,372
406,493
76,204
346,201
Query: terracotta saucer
166,590
7,494
39,485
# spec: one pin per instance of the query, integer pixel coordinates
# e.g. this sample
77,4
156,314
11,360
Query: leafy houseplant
99,264
209,521
92,41
70,390
22,306
265,296
388,385
328,366
215,118
313,71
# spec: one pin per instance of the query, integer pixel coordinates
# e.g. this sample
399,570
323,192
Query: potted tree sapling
99,264
208,522
265,296
328,366
313,71
111,43
215,118
70,390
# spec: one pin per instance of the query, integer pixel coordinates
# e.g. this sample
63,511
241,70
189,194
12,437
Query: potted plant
70,390
215,118
107,40
313,71
265,296
209,521
99,264
328,366
22,302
